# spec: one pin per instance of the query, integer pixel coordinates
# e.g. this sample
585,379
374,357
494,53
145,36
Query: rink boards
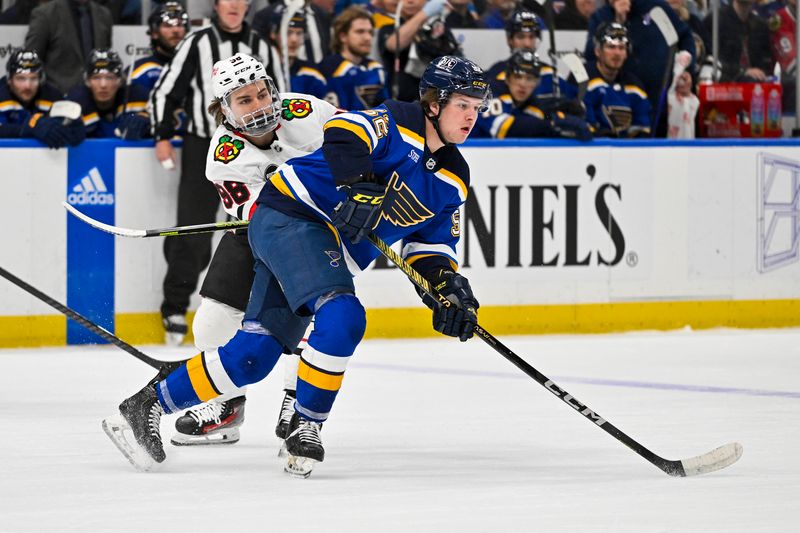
556,237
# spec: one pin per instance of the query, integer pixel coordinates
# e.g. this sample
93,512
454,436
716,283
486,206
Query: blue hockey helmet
524,61
171,13
22,61
103,60
524,21
451,74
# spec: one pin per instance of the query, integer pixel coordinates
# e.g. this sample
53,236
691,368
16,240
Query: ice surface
429,435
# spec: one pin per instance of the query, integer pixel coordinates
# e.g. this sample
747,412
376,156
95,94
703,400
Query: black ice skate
136,429
214,422
285,419
175,329
304,446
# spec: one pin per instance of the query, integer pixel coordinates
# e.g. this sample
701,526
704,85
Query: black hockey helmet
524,21
298,19
613,33
103,60
22,61
434,39
524,61
171,13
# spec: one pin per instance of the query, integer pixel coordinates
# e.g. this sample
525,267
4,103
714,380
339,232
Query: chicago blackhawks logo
228,149
296,108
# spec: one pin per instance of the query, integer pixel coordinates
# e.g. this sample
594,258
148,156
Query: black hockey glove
75,132
132,127
571,127
360,212
48,130
460,318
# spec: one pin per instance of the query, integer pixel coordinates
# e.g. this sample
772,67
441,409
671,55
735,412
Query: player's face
585,7
521,85
294,40
612,55
104,86
458,117
359,38
250,98
523,39
24,86
169,34
231,13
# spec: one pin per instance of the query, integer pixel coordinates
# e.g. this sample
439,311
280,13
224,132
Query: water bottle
773,110
757,112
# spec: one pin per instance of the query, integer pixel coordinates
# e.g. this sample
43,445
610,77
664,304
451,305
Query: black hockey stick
162,366
708,462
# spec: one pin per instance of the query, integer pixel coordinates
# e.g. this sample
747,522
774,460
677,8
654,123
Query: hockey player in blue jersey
25,102
394,170
304,76
518,113
354,80
616,104
107,109
167,26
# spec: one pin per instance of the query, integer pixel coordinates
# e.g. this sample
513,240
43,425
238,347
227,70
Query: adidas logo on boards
91,190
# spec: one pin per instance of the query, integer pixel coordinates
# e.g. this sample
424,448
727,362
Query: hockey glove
132,127
75,132
571,127
460,318
360,212
48,130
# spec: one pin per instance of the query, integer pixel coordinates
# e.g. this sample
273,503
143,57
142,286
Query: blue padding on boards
90,252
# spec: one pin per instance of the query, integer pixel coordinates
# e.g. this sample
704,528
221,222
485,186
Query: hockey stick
661,20
549,15
396,66
164,232
578,71
708,462
163,366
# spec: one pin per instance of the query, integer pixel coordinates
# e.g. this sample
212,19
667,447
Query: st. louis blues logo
334,256
401,206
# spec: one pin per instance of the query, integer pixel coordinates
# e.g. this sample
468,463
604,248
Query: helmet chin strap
435,121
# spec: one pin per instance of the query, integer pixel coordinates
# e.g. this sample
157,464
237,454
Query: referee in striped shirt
185,83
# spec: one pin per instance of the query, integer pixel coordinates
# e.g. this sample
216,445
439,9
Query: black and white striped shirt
185,82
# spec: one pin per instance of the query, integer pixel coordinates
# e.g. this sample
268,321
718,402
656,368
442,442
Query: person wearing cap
25,102
616,103
355,81
517,112
304,76
107,109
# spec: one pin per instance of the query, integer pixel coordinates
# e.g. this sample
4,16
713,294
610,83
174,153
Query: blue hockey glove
571,127
132,127
360,212
460,318
48,130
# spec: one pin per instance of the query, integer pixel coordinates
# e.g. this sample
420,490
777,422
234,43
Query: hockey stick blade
661,19
702,464
575,66
163,232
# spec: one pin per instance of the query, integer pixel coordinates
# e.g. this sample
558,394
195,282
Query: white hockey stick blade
66,109
661,19
714,460
125,232
575,66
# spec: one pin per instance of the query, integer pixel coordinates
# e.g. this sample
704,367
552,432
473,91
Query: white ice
429,435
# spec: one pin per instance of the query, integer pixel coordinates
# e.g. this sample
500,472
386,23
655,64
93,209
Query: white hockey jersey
239,169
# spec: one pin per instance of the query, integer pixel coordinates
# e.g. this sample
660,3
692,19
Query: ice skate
284,419
215,422
136,429
175,329
304,447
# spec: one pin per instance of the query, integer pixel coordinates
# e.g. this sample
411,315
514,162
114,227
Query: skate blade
173,339
299,467
121,435
230,436
283,452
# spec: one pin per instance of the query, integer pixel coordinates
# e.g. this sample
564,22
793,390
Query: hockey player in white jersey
258,130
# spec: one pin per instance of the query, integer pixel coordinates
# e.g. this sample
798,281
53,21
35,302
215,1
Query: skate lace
309,432
287,409
154,421
210,412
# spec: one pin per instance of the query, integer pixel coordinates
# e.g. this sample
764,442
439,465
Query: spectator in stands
575,15
127,12
413,14
683,104
616,104
19,13
744,48
497,13
63,33
702,37
355,81
25,101
318,27
462,15
167,26
383,12
516,112
304,77
108,108
783,31
649,59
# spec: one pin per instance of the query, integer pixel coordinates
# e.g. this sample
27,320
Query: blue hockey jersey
425,189
13,113
352,86
497,78
619,108
147,70
307,79
503,119
102,123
